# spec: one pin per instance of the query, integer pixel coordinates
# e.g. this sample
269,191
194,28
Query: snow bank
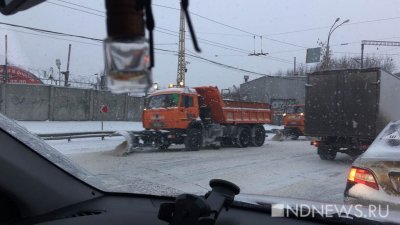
43,127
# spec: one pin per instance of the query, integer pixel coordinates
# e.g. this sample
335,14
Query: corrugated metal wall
277,91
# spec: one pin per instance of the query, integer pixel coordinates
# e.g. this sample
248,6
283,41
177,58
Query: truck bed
233,112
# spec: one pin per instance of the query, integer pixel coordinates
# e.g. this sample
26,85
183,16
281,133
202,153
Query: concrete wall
39,102
29,103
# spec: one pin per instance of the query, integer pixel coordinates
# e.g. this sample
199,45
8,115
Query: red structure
16,75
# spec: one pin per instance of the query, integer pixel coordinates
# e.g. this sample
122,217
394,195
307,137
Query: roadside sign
104,109
313,55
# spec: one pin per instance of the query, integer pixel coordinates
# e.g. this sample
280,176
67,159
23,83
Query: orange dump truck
293,121
199,117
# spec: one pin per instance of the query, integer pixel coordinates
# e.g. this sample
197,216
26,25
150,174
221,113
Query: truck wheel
259,136
326,153
193,140
295,137
227,142
244,138
163,143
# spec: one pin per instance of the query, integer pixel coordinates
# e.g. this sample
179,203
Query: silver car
374,177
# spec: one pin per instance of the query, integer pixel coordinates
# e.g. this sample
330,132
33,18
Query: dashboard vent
85,213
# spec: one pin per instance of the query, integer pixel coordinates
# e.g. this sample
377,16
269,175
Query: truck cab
173,108
293,121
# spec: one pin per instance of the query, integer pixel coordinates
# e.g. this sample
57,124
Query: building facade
278,91
15,75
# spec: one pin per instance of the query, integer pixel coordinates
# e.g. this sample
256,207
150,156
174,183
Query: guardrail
92,134
76,135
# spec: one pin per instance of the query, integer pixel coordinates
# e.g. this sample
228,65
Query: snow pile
364,192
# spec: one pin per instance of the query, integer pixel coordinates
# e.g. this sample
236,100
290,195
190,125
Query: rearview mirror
8,7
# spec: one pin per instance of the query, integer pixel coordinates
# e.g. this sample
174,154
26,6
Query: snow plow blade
126,147
279,136
136,141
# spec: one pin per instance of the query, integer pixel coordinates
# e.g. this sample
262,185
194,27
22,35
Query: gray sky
297,23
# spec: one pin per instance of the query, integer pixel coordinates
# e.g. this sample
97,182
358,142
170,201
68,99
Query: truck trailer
199,117
346,109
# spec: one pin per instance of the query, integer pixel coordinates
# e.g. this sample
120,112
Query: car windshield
87,86
295,109
163,101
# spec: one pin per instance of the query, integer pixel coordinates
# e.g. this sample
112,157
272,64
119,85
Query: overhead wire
195,14
99,40
208,42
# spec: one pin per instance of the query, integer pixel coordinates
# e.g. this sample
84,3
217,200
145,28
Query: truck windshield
163,101
295,109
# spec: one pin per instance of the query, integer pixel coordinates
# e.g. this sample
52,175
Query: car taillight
362,176
314,143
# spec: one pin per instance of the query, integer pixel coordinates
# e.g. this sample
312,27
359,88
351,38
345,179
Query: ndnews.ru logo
329,210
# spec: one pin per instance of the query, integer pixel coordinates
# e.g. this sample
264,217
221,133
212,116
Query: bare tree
232,93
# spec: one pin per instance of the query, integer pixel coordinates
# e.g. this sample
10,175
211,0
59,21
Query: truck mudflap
138,141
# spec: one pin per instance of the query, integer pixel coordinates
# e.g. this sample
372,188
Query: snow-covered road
288,168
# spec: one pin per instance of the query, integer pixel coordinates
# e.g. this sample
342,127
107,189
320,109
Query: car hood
42,148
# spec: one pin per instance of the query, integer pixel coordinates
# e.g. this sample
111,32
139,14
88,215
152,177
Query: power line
196,14
82,6
94,14
167,7
224,46
205,40
52,32
95,39
327,27
52,37
213,62
281,33
212,43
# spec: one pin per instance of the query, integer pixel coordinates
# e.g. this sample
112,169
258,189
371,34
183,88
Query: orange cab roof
175,90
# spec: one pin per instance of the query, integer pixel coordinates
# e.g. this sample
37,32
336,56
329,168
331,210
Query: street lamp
97,80
58,64
333,28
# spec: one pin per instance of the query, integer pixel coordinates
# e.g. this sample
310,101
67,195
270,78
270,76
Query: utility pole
294,66
58,64
362,55
180,80
67,72
5,72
